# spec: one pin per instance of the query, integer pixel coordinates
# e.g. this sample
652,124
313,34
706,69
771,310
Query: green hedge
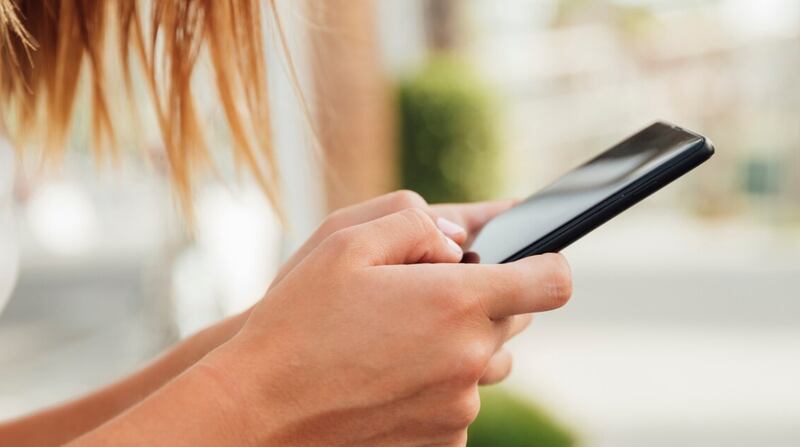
509,421
448,141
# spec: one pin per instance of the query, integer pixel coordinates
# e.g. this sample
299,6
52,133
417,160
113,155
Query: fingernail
449,227
453,246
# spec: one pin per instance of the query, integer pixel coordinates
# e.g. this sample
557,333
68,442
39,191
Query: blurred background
684,328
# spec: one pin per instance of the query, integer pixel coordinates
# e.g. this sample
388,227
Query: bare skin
369,335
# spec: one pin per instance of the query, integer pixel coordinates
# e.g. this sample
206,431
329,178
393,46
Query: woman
372,333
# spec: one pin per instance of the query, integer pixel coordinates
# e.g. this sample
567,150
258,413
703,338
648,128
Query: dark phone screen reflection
580,190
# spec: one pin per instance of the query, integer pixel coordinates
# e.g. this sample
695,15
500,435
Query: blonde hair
44,45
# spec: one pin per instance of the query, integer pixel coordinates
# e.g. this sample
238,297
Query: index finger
493,291
534,284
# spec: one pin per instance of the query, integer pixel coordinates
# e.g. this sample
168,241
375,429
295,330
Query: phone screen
580,190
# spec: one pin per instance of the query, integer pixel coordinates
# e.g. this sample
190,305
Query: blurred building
578,76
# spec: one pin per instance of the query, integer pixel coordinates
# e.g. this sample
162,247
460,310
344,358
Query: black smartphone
592,193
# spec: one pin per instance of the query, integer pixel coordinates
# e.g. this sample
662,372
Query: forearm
68,421
227,398
194,409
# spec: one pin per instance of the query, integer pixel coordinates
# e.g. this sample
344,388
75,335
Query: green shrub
447,134
508,421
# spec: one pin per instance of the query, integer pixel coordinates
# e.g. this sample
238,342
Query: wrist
258,401
198,407
198,345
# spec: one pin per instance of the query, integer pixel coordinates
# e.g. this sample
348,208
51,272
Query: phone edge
581,225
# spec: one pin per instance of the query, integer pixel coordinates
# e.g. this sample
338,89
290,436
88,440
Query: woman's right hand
378,337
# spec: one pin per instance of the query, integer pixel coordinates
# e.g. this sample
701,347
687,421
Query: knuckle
404,199
464,409
559,279
459,439
471,362
333,221
500,369
419,220
341,240
509,366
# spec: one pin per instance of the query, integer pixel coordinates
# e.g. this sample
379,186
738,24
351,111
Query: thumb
406,237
